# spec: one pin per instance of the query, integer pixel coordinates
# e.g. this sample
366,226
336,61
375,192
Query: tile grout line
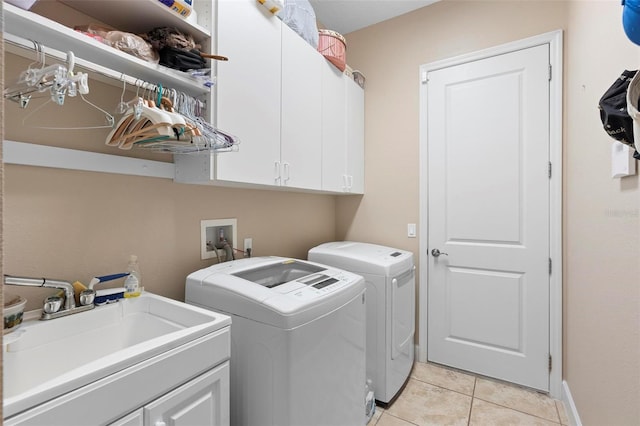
520,411
400,418
558,412
445,388
475,380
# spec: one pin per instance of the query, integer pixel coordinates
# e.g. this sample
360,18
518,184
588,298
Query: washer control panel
318,285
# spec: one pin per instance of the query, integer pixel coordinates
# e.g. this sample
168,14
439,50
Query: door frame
554,40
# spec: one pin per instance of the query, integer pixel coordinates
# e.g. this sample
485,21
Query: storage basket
333,46
358,77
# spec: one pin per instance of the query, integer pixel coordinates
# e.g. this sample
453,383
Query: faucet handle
52,304
87,297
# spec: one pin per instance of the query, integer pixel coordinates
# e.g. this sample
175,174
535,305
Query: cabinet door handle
349,182
286,172
345,183
160,423
276,172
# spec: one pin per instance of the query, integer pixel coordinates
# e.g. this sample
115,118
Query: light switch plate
411,230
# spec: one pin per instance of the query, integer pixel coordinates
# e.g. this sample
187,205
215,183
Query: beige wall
74,225
601,215
1,170
602,228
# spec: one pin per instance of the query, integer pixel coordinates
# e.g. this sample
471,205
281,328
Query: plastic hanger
34,79
70,85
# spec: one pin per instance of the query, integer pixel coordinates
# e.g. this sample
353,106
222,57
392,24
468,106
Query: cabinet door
301,145
134,419
355,137
333,129
202,401
248,90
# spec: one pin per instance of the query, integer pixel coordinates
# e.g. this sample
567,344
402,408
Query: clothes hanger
36,78
69,85
153,124
216,139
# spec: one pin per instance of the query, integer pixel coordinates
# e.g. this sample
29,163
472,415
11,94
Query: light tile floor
436,395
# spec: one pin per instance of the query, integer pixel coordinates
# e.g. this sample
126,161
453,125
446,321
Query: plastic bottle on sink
133,283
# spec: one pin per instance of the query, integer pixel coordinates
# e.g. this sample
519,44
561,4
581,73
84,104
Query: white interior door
488,214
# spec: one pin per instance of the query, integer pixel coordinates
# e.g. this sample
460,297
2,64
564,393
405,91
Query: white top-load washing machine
297,339
389,274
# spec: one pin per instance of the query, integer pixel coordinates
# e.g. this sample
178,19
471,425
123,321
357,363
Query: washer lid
282,292
362,257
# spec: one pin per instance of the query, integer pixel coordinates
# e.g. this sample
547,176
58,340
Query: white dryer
389,274
297,339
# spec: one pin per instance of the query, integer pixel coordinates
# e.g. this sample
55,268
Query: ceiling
345,16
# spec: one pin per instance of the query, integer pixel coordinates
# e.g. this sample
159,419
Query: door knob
436,253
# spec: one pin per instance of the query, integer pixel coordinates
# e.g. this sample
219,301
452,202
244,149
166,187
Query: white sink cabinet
143,361
201,401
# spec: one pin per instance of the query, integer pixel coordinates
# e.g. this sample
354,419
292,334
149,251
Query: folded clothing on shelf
123,41
181,59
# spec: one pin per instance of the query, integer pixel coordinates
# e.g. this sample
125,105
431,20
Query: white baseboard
417,354
569,405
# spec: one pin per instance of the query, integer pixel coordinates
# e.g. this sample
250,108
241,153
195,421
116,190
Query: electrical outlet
248,247
217,236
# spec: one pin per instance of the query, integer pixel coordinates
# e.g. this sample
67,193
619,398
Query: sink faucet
69,303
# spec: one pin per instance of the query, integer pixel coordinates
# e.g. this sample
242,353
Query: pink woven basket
333,46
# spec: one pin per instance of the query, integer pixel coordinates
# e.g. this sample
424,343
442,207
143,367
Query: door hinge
550,72
550,363
550,167
550,268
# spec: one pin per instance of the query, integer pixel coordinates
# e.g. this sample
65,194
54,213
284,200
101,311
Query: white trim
569,405
554,39
28,154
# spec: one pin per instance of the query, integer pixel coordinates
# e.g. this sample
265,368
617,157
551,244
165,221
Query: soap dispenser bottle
133,283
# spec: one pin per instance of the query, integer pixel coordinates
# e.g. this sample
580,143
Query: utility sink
45,359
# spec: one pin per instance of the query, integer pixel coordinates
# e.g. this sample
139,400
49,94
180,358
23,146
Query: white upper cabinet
355,137
342,133
248,91
269,94
334,130
301,120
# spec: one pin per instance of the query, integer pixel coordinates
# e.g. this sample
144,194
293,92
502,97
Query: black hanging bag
613,111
